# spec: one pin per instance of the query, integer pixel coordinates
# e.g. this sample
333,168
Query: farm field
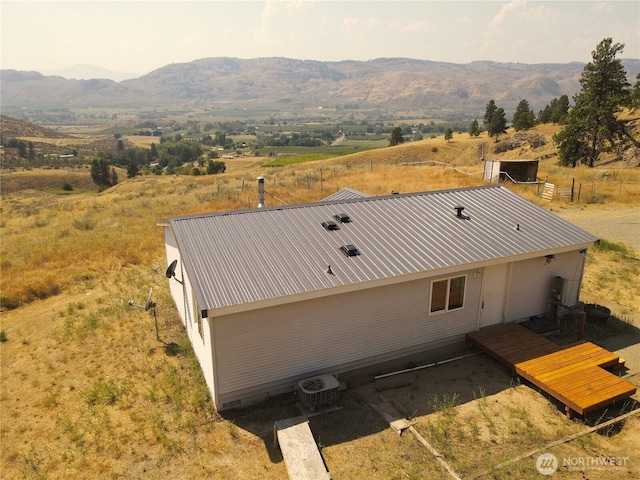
89,391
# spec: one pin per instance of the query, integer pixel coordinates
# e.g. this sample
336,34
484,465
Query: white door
494,286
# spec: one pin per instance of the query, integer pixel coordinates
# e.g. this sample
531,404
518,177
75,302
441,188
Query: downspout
507,293
481,302
584,261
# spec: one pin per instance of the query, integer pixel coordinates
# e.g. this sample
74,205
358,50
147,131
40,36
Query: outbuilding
273,295
516,171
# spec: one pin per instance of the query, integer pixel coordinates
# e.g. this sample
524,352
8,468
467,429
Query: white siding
531,282
182,295
175,288
264,351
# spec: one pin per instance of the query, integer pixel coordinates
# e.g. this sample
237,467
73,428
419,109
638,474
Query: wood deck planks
575,375
299,449
511,343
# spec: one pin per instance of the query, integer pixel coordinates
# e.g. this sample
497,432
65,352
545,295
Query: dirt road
616,223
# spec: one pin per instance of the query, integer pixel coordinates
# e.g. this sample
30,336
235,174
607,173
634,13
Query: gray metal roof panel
345,194
245,256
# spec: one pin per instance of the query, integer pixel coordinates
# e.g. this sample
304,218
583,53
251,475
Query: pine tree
474,131
593,126
544,116
132,170
560,109
396,137
523,118
498,123
489,112
448,134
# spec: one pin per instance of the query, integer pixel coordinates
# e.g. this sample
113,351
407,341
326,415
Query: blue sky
138,37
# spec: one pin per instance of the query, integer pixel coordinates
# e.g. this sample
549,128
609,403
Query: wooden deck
574,375
299,449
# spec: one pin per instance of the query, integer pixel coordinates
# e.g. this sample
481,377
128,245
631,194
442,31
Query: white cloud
506,13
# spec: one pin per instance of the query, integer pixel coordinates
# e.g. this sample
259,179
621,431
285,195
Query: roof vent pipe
459,210
261,202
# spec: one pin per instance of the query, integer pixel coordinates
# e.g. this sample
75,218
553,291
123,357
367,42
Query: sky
141,36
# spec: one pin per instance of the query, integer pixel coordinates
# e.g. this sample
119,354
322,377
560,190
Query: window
199,320
198,317
447,294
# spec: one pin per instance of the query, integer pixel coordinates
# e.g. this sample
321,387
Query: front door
494,286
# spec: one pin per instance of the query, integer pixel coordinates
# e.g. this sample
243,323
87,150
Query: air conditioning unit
316,391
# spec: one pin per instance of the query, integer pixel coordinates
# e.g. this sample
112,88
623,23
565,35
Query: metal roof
345,194
237,258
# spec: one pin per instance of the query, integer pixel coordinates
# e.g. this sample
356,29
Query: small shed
516,171
270,296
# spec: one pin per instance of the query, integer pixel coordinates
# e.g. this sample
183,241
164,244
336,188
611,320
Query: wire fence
590,192
328,178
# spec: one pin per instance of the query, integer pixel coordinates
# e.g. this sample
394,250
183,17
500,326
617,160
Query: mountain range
392,84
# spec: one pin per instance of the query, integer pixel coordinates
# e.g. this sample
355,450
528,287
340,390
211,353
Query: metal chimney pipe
261,202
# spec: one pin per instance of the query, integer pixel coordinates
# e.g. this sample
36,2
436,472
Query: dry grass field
88,391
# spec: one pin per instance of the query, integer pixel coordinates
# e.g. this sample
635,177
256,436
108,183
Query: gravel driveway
616,223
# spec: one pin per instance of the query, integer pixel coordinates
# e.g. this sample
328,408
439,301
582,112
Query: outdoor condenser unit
316,391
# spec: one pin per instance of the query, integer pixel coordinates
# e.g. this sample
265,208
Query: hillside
14,128
393,84
90,391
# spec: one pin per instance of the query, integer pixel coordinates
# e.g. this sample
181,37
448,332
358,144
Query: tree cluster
555,112
102,174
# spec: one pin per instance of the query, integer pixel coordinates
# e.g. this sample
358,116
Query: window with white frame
447,294
198,317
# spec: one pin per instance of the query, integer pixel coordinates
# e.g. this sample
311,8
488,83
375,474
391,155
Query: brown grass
88,391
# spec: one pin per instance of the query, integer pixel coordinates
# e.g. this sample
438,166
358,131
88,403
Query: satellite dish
149,305
171,270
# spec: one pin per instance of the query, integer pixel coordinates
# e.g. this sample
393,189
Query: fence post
573,183
579,191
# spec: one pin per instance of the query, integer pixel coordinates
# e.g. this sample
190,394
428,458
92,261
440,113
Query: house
273,295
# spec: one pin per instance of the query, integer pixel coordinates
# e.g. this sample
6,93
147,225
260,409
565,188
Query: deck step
578,375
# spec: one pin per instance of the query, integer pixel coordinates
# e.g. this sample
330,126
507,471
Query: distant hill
392,84
87,72
13,128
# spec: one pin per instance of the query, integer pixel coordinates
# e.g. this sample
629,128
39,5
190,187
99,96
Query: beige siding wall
175,288
265,351
185,304
531,282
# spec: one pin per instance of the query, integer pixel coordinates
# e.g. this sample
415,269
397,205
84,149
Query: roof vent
459,213
342,217
330,225
350,250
